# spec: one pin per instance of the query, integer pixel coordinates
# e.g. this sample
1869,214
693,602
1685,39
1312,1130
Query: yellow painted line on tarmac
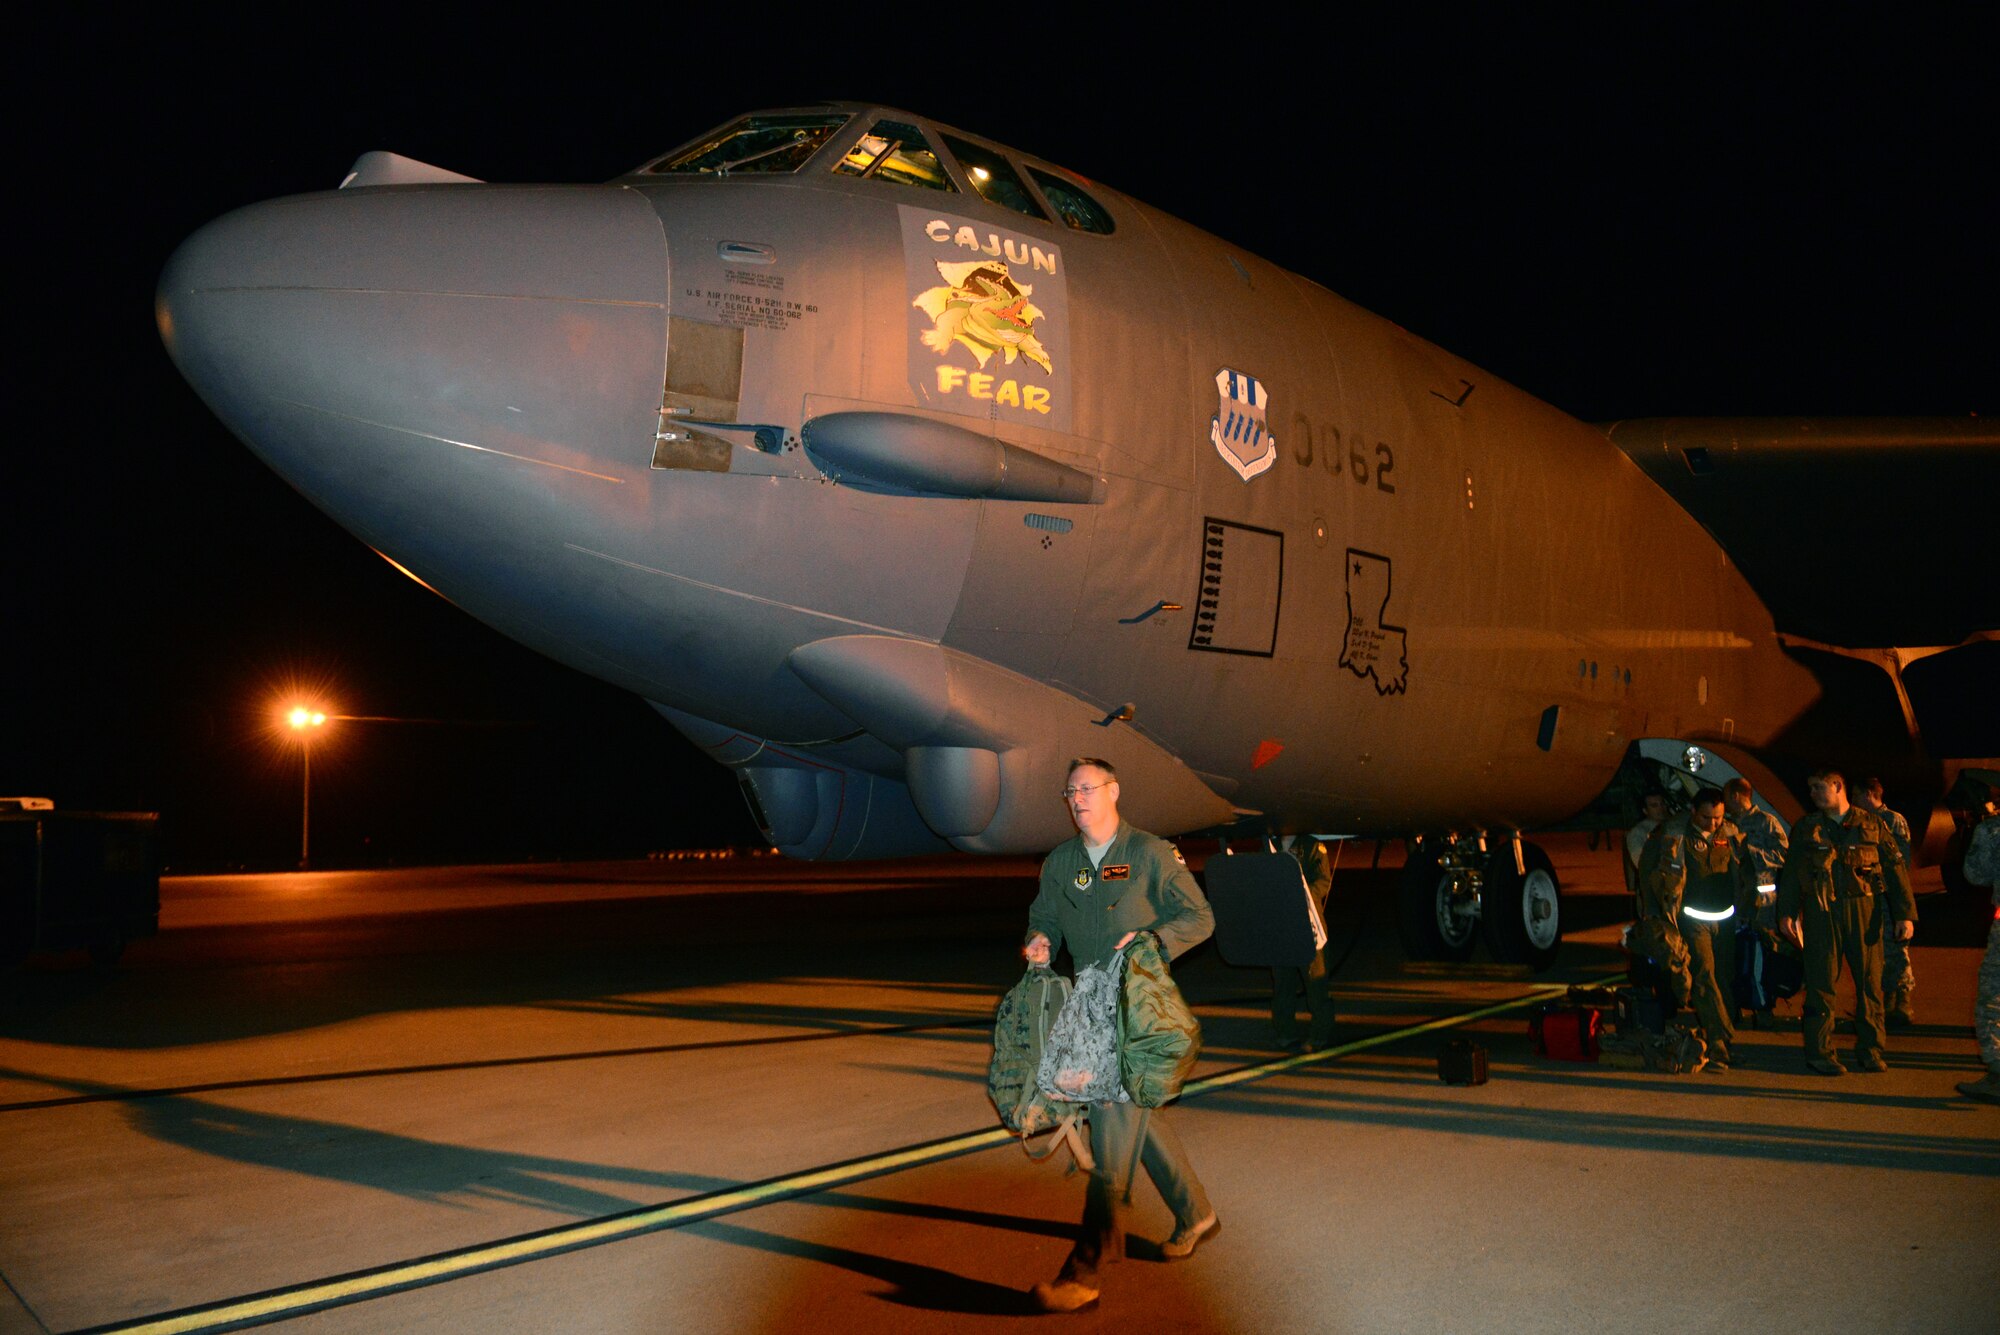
282,1304
360,1286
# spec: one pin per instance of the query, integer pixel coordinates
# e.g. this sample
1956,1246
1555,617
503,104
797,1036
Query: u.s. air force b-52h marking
984,351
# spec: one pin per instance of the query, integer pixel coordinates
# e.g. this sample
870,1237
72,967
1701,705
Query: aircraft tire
1419,891
1521,916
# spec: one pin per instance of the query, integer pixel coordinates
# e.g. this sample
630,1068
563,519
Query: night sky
1629,211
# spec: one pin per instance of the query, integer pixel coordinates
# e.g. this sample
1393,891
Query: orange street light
304,720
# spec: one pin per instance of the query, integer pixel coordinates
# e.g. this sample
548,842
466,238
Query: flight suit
1982,867
1701,880
1635,849
1899,979
1763,845
1288,981
1140,885
1837,877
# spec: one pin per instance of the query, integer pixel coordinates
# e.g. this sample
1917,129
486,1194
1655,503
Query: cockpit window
756,144
896,152
994,177
1071,204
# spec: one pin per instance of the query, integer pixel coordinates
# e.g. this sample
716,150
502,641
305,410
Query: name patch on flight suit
1121,872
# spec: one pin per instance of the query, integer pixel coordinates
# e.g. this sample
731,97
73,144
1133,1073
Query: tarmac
750,1096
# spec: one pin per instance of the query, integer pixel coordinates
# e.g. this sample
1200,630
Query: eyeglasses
1084,788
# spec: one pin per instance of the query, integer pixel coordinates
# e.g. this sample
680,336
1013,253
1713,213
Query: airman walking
1099,889
1313,979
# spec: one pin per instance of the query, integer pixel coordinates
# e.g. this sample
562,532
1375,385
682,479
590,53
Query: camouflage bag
1080,1054
1677,1052
1021,1028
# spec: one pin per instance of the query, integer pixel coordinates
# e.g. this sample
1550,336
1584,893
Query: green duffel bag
1020,1030
1159,1040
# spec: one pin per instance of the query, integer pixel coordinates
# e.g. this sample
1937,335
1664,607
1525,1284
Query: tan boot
1064,1295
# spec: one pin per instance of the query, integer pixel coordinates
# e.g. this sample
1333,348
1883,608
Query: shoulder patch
1177,854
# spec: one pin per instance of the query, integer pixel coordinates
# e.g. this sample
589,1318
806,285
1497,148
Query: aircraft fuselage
895,498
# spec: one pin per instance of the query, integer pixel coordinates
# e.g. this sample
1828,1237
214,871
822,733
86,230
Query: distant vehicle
895,467
76,879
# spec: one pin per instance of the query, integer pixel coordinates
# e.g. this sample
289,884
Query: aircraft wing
1859,532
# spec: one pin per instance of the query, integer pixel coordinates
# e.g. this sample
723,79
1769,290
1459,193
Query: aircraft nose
394,350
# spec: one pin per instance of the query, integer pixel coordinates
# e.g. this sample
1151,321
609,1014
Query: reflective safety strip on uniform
1708,915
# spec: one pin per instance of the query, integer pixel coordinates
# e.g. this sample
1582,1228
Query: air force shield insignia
1238,429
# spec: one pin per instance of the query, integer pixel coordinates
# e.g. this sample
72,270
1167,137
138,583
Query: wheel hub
1457,908
1540,909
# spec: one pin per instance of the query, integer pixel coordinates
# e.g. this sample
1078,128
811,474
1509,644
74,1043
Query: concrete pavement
438,1060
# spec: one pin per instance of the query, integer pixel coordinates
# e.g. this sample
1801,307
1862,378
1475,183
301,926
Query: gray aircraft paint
477,381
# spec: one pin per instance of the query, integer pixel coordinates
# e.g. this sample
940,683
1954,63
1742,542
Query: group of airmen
1838,888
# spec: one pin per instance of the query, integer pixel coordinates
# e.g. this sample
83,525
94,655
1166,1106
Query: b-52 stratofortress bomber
895,467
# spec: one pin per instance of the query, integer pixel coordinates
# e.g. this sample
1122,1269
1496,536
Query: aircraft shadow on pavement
830,1019
1572,1076
407,1166
438,1173
1611,1130
190,987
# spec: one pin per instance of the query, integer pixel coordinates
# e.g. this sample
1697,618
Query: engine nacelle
814,807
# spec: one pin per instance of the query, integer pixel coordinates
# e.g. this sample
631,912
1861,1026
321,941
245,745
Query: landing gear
1454,892
1521,912
1437,906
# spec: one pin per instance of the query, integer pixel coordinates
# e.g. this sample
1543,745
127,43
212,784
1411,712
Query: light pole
303,721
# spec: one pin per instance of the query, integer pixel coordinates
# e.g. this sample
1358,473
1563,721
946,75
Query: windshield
756,144
1072,205
896,152
993,177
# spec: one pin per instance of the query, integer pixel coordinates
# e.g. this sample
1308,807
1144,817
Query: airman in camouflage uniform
1899,979
1982,867
1843,886
1694,870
